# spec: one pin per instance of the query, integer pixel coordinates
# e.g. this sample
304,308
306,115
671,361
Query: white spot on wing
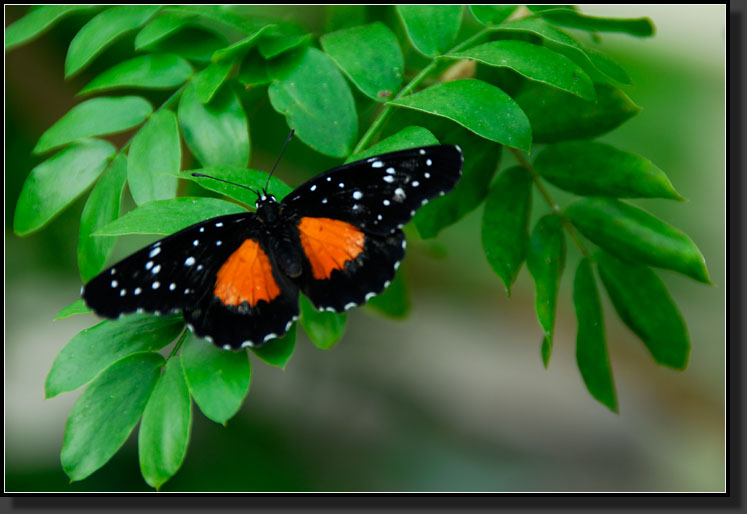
154,252
388,179
190,261
377,164
156,285
357,195
156,269
114,283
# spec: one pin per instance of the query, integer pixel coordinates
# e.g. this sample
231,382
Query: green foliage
535,83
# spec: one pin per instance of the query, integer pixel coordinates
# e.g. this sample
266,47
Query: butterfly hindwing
379,194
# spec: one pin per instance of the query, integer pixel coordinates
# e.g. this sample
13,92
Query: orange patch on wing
246,277
329,244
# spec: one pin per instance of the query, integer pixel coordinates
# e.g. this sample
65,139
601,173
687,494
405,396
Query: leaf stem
524,163
415,82
179,343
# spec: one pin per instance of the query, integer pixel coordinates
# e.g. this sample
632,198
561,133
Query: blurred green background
455,397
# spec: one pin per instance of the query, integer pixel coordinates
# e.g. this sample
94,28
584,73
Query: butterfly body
236,278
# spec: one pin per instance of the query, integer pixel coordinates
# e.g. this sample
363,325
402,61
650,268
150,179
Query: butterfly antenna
287,140
228,182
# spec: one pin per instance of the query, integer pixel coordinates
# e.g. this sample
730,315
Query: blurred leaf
633,234
159,28
95,348
246,177
590,168
476,105
409,137
57,182
207,82
164,431
558,116
480,164
545,261
607,66
540,8
165,217
282,38
105,414
216,132
591,348
218,379
339,16
317,102
505,223
492,14
277,352
95,117
370,56
154,71
77,307
640,27
155,152
324,329
102,207
536,63
643,303
37,21
432,29
395,300
561,42
103,30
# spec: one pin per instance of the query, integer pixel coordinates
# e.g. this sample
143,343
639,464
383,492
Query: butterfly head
268,208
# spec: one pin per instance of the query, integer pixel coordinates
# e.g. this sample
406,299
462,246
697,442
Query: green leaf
253,71
591,348
505,223
561,42
192,43
607,66
408,137
37,21
281,39
558,116
95,117
155,71
105,414
633,234
536,63
480,164
643,303
207,82
240,48
317,102
77,307
209,15
323,328
216,132
103,30
395,300
155,155
246,177
545,261
102,207
164,217
476,105
159,28
164,431
370,56
57,182
589,168
492,14
432,29
218,379
95,348
277,352
640,27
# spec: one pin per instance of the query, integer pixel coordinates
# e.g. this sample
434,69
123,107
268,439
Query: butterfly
236,278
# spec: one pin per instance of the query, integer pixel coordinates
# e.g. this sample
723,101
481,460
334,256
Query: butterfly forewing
379,194
169,275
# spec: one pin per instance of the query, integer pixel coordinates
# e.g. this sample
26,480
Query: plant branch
551,202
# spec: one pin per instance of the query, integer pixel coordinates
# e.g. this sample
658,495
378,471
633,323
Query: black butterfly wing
380,194
350,218
180,274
